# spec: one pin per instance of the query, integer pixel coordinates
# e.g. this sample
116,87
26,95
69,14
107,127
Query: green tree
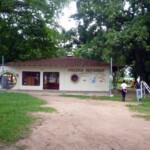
28,28
110,28
137,38
65,43
95,22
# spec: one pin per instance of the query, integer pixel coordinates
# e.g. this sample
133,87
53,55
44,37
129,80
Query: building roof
59,62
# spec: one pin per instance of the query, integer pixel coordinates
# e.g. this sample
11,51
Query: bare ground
86,125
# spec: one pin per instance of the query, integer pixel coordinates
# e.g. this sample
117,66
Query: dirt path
87,125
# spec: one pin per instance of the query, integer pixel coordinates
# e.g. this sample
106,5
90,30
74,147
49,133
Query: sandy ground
87,125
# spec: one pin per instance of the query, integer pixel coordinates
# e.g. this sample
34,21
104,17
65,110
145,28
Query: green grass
15,120
143,108
76,96
84,97
114,98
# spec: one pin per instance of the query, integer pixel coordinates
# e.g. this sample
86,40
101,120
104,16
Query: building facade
63,74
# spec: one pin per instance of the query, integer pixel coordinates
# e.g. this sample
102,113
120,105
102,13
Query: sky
69,23
64,20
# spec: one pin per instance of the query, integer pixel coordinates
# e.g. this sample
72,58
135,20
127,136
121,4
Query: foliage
28,28
117,76
14,120
64,43
111,29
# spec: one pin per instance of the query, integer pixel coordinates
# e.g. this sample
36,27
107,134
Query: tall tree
138,41
28,28
116,28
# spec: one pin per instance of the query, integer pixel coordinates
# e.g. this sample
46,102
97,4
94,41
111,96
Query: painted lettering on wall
75,70
85,70
90,75
94,70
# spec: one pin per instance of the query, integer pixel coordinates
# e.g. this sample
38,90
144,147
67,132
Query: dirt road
87,125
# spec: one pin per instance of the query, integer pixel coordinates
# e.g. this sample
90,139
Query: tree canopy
28,28
106,28
117,29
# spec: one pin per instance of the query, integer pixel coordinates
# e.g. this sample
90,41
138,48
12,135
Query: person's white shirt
123,85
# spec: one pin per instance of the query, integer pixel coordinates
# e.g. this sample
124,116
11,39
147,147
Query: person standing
138,90
123,90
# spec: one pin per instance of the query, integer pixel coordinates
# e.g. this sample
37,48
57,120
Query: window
51,80
31,78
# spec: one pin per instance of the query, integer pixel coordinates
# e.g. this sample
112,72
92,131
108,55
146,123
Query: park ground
86,125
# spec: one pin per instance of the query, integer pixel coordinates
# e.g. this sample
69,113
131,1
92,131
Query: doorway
51,80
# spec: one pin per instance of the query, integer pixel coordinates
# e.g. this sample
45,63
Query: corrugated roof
59,62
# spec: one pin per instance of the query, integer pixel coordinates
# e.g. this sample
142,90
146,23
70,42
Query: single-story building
63,74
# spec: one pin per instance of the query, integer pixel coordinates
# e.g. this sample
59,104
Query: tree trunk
140,64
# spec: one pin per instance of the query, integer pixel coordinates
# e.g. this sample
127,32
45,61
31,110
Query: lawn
15,120
143,108
84,97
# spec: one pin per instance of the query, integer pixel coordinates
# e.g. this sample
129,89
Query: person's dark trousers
123,95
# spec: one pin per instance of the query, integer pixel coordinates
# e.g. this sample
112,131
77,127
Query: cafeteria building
62,74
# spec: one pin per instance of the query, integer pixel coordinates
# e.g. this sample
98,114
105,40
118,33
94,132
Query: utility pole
2,79
111,77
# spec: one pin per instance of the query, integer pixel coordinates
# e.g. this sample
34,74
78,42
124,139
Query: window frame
31,78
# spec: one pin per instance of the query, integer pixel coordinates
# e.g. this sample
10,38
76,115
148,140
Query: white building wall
89,78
